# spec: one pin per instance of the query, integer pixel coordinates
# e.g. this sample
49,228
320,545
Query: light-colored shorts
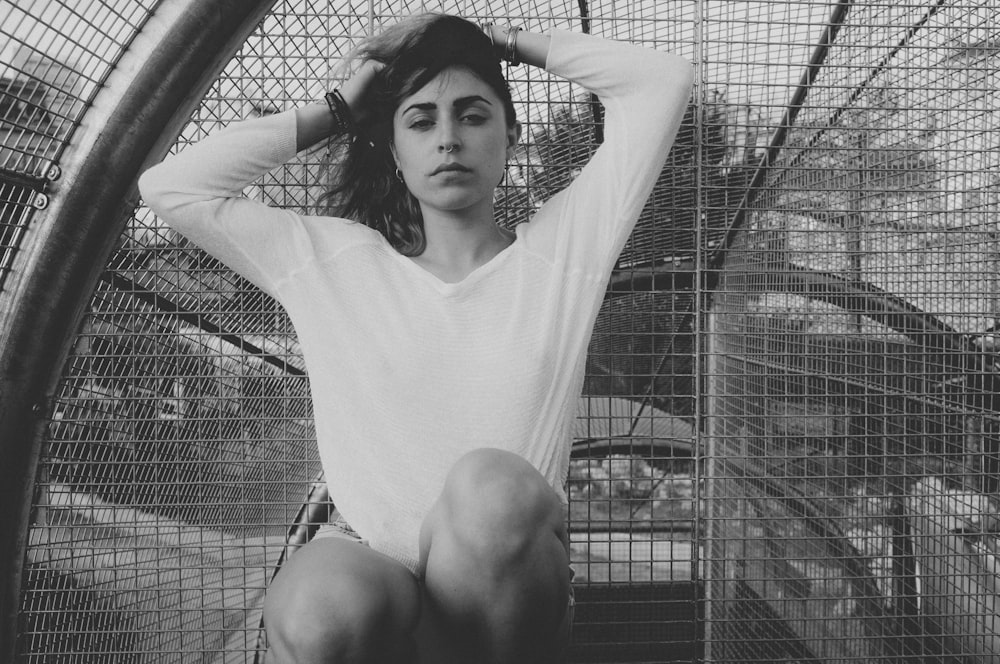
339,528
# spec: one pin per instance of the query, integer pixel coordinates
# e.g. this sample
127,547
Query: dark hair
363,184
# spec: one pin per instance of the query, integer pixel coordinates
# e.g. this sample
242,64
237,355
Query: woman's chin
456,201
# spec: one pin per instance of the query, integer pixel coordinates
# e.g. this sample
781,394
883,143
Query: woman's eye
473,118
421,123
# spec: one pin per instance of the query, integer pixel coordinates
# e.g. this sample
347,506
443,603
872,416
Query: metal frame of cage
149,87
68,201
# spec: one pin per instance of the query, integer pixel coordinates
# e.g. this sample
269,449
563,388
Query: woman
445,354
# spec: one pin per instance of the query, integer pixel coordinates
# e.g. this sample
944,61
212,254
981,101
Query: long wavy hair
363,183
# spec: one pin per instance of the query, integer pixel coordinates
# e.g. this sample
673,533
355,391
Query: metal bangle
510,51
488,29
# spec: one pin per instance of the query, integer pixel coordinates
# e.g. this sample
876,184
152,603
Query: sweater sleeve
199,193
645,93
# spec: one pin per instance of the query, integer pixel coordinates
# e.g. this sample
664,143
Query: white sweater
408,372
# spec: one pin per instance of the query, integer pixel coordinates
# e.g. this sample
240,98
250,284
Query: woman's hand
315,123
355,89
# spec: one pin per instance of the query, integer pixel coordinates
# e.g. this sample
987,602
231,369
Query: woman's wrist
504,41
313,123
516,45
510,45
343,116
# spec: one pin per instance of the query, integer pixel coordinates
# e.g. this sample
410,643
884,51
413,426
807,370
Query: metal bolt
53,173
40,201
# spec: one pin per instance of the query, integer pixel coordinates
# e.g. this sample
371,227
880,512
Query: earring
399,175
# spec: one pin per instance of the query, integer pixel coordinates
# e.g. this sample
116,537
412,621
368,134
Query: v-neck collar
448,288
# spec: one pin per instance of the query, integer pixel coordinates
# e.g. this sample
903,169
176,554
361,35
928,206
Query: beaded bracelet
342,118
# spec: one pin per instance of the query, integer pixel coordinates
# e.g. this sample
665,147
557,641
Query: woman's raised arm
199,191
645,93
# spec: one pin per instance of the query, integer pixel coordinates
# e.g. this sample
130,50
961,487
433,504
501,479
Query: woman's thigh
335,595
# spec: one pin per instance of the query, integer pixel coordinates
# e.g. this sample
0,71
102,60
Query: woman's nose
448,140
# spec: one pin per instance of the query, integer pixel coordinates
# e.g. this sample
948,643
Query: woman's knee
495,498
329,607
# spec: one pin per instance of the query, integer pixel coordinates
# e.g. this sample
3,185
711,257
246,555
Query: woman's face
451,141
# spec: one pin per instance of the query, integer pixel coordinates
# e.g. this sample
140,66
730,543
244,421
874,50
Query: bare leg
494,554
339,602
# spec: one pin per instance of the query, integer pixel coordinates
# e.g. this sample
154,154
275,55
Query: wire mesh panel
787,444
182,453
854,417
182,446
53,57
17,203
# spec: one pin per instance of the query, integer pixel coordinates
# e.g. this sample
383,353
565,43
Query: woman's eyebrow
461,102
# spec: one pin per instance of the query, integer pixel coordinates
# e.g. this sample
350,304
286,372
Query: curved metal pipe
133,121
